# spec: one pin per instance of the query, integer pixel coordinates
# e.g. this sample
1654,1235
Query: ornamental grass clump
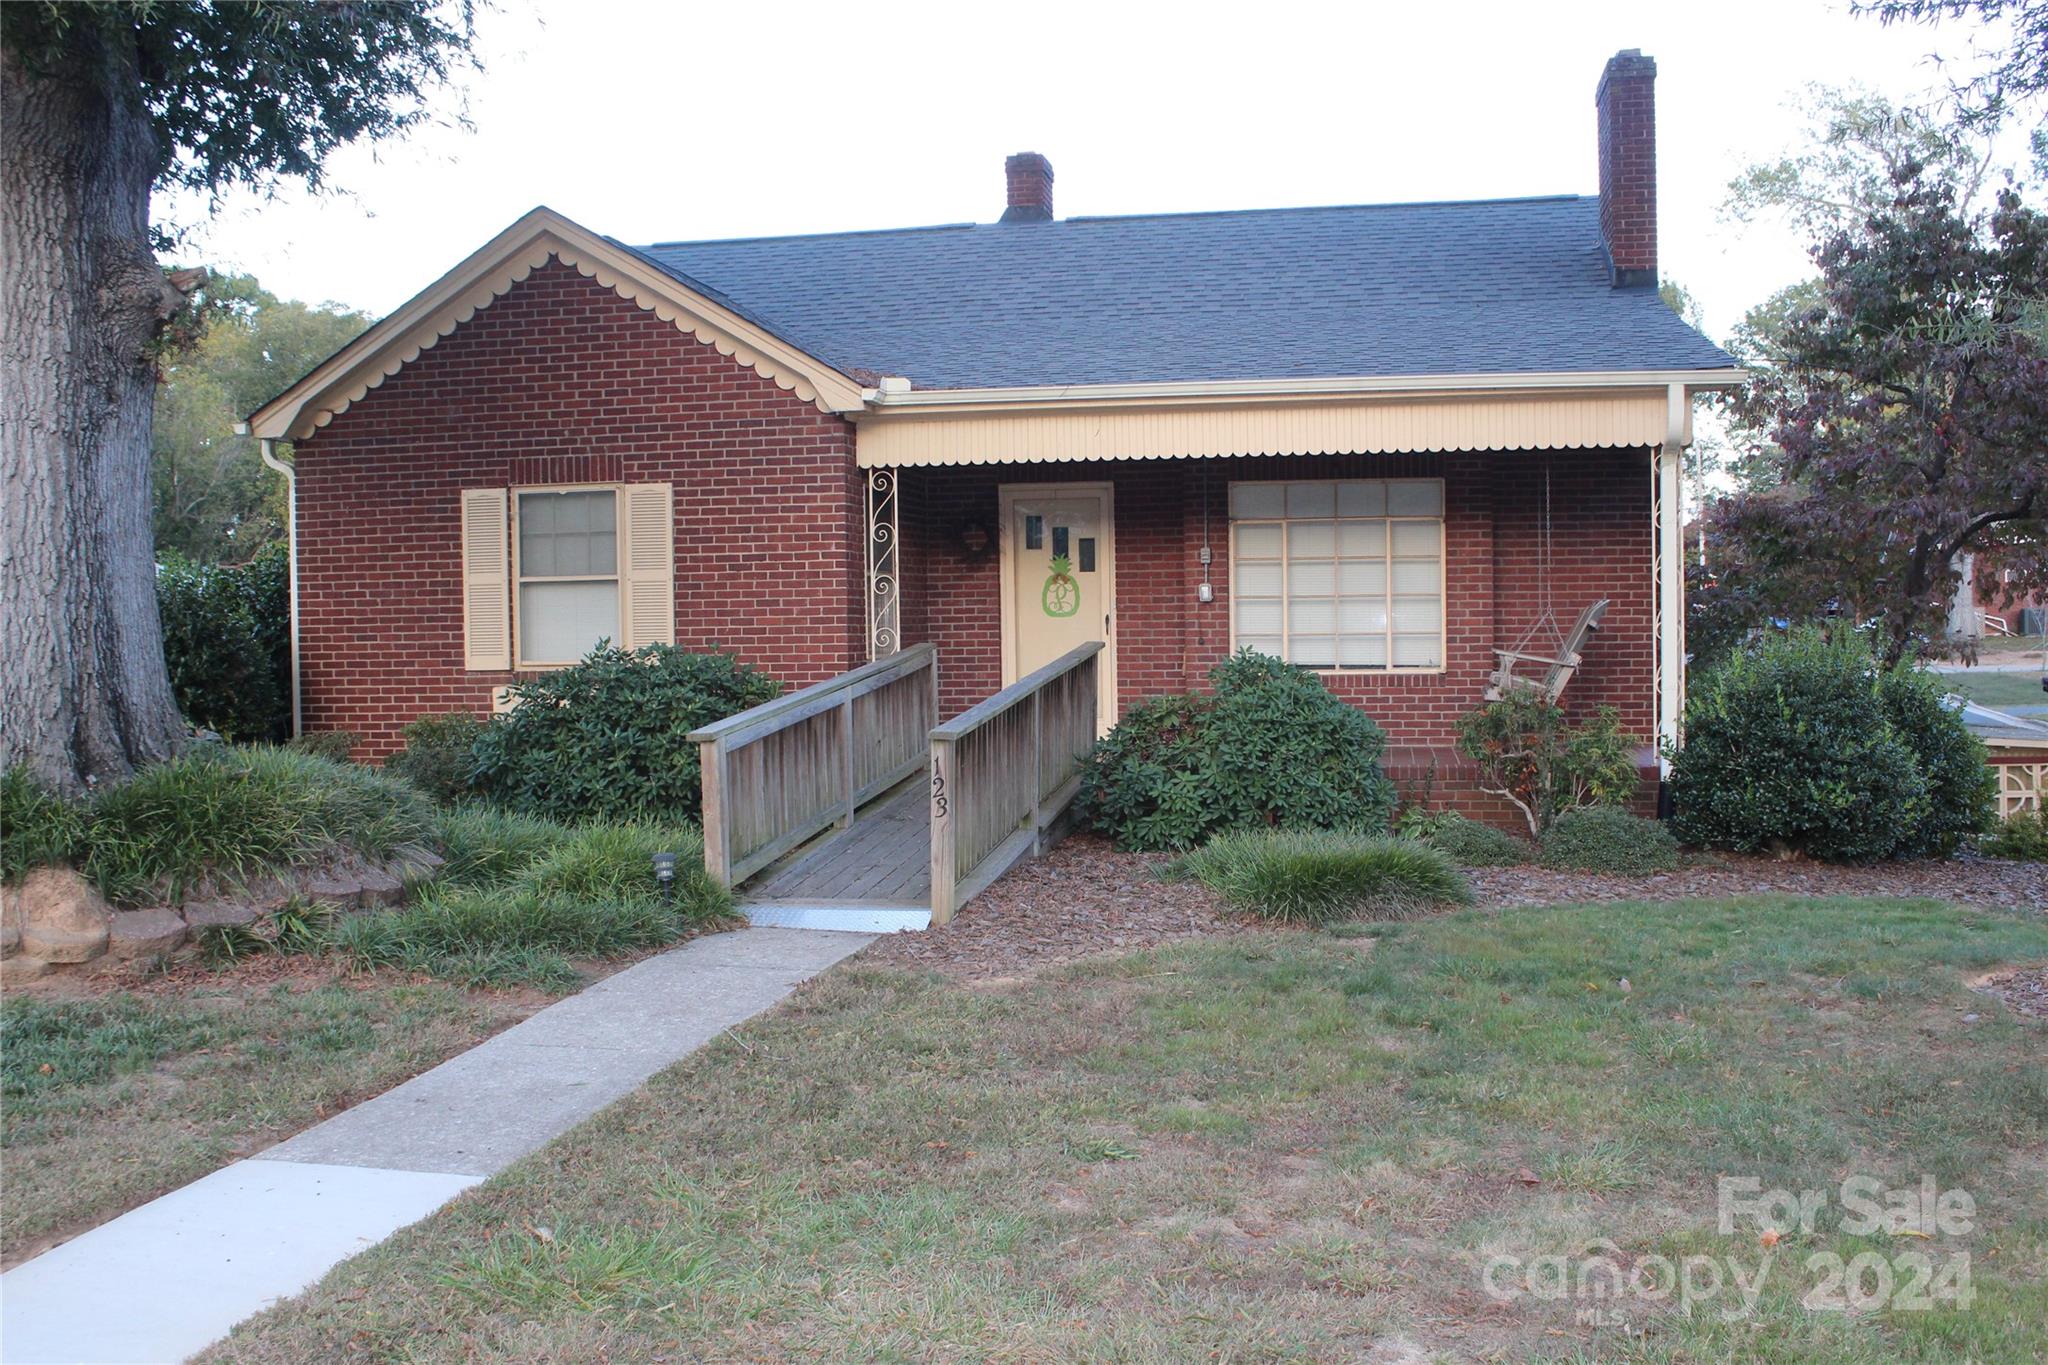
590,893
1315,876
218,812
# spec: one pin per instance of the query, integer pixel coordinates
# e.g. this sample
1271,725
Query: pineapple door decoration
1061,595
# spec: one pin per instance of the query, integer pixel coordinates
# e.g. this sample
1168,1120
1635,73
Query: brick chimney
1030,178
1627,105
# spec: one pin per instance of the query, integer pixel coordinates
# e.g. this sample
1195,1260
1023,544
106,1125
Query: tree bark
84,694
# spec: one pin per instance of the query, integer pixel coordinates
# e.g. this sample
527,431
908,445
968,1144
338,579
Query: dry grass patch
1272,1147
113,1100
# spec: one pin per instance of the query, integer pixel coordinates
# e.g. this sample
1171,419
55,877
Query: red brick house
1378,441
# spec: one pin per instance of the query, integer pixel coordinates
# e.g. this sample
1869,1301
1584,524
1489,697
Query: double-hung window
566,561
1339,574
549,572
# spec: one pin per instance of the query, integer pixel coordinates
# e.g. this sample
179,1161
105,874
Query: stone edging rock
52,917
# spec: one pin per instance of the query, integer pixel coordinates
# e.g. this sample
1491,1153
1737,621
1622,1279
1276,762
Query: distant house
1382,442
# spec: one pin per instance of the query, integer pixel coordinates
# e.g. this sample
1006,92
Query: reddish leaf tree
1910,401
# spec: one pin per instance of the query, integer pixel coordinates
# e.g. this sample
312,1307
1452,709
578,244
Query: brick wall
561,380
1167,641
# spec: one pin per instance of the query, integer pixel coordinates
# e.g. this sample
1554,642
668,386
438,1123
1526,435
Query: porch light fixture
665,874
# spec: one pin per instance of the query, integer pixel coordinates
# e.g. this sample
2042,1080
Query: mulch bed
2024,991
1971,880
1086,897
1083,898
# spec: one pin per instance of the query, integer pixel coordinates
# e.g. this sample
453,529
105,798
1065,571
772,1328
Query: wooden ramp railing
1004,772
780,773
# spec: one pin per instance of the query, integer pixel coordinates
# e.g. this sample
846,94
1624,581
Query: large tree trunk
84,695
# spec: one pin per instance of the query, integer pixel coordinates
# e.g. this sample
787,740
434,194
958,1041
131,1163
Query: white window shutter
486,582
650,565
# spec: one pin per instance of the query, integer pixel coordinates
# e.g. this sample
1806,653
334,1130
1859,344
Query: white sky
655,121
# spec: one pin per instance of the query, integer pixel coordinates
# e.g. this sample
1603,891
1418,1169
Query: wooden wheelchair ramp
847,806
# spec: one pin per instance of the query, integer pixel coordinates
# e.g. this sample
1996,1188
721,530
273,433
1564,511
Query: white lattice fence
2021,787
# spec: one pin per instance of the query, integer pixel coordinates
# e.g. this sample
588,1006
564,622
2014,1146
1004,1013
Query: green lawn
1998,689
112,1101
1286,1146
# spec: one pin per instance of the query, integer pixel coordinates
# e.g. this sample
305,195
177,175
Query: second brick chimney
1627,105
1030,179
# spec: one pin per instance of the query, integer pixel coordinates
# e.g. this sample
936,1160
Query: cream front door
1059,571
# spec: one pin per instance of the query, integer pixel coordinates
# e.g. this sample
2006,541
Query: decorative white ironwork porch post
1667,502
885,601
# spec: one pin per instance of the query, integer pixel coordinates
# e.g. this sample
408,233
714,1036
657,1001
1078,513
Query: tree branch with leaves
103,102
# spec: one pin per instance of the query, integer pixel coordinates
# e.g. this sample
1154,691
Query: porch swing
1550,671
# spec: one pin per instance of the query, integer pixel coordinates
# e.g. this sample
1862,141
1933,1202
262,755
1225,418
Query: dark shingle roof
1488,287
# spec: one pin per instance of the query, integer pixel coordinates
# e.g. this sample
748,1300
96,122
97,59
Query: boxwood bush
608,738
1269,747
1608,839
439,756
1802,744
1470,843
1314,876
2022,835
1962,791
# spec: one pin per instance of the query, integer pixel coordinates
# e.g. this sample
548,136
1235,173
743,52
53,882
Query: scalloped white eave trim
398,354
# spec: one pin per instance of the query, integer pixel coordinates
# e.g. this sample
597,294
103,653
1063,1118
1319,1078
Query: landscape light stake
665,874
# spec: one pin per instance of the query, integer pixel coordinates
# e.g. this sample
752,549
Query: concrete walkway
168,1279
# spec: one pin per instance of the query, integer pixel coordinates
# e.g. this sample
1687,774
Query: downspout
268,449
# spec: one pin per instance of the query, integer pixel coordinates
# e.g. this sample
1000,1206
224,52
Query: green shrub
332,745
439,756
227,644
608,738
36,827
1269,747
1470,843
1531,755
1313,876
1789,745
236,813
1608,839
2023,836
1962,791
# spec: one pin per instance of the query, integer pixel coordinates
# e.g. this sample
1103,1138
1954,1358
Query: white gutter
888,395
267,449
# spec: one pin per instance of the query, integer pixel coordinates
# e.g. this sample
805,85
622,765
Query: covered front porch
1399,577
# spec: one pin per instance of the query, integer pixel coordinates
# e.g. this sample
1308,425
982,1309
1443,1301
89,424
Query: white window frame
617,577
1286,587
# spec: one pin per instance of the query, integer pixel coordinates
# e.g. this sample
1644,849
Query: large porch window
1339,574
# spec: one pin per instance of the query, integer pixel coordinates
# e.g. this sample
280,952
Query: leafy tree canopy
2012,45
214,500
256,92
